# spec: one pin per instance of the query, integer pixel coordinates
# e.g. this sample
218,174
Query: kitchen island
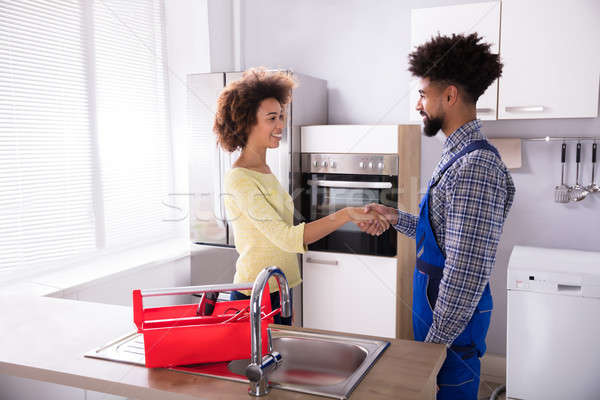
45,339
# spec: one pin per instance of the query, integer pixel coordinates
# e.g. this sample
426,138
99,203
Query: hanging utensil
593,188
562,192
578,192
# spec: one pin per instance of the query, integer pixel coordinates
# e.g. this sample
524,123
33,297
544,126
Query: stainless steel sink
326,365
311,362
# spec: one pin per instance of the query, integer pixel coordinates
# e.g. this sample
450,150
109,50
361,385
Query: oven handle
351,184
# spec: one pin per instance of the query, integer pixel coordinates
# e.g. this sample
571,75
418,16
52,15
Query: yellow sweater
262,215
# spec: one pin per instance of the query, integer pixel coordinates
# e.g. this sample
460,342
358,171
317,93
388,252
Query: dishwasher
553,324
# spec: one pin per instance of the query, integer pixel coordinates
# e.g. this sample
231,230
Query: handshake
373,218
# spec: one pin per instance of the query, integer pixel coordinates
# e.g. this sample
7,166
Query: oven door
325,194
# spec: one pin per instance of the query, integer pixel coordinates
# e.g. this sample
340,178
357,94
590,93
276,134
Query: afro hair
459,60
239,101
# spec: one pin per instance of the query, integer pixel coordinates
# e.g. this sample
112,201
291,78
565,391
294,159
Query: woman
250,116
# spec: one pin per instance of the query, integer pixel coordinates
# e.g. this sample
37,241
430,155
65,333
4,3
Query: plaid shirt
468,207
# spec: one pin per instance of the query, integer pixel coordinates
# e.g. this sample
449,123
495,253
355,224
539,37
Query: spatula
593,188
562,192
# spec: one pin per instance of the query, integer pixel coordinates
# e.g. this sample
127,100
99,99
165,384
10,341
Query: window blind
85,159
132,120
45,145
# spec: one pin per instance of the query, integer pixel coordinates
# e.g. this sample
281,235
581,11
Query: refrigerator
213,247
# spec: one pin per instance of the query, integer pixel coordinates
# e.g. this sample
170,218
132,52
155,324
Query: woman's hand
376,222
388,213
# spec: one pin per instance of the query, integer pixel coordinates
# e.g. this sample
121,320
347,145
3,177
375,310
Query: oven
334,181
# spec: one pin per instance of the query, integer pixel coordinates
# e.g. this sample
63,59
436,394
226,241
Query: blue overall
459,376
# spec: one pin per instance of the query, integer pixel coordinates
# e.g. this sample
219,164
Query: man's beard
431,126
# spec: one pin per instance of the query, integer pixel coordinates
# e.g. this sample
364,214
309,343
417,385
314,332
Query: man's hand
388,213
376,222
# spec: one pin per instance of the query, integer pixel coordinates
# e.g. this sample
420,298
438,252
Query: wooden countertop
45,339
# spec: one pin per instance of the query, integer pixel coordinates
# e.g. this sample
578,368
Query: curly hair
459,60
239,101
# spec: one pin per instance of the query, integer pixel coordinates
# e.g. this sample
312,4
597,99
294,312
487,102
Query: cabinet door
483,18
551,59
349,293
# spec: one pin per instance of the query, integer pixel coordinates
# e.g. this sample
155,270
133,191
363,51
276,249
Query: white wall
360,47
201,36
187,39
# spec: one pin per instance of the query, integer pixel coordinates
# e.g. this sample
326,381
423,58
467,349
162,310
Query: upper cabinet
549,51
483,18
551,59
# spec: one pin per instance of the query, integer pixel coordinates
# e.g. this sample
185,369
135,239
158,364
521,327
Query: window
85,148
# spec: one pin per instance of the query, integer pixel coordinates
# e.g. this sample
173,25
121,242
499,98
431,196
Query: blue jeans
278,319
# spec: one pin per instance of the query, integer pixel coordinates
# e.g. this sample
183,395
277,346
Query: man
461,216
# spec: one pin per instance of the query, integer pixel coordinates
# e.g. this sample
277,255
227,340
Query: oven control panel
361,164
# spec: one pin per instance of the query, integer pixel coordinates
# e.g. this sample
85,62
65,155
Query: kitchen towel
510,151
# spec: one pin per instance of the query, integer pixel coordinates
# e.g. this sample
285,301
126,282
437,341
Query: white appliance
553,328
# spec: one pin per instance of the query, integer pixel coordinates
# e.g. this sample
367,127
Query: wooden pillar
409,182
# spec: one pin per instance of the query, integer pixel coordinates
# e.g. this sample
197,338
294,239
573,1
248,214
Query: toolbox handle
138,303
225,287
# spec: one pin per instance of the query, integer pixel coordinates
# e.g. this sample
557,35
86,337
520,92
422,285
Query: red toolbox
176,335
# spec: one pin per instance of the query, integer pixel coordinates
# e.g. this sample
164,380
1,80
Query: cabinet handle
326,262
524,109
484,110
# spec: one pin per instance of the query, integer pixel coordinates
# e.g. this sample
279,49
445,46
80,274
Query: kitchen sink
311,362
322,364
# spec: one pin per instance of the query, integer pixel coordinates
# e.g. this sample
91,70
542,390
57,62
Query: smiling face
430,107
267,131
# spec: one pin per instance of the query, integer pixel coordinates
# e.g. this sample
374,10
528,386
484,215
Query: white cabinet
549,51
551,59
349,293
483,18
348,139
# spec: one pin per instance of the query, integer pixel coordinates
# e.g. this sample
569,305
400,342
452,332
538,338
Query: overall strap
476,145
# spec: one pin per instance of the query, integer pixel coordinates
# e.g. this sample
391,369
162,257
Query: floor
486,389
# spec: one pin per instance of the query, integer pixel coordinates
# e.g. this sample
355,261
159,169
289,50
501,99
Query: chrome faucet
259,366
